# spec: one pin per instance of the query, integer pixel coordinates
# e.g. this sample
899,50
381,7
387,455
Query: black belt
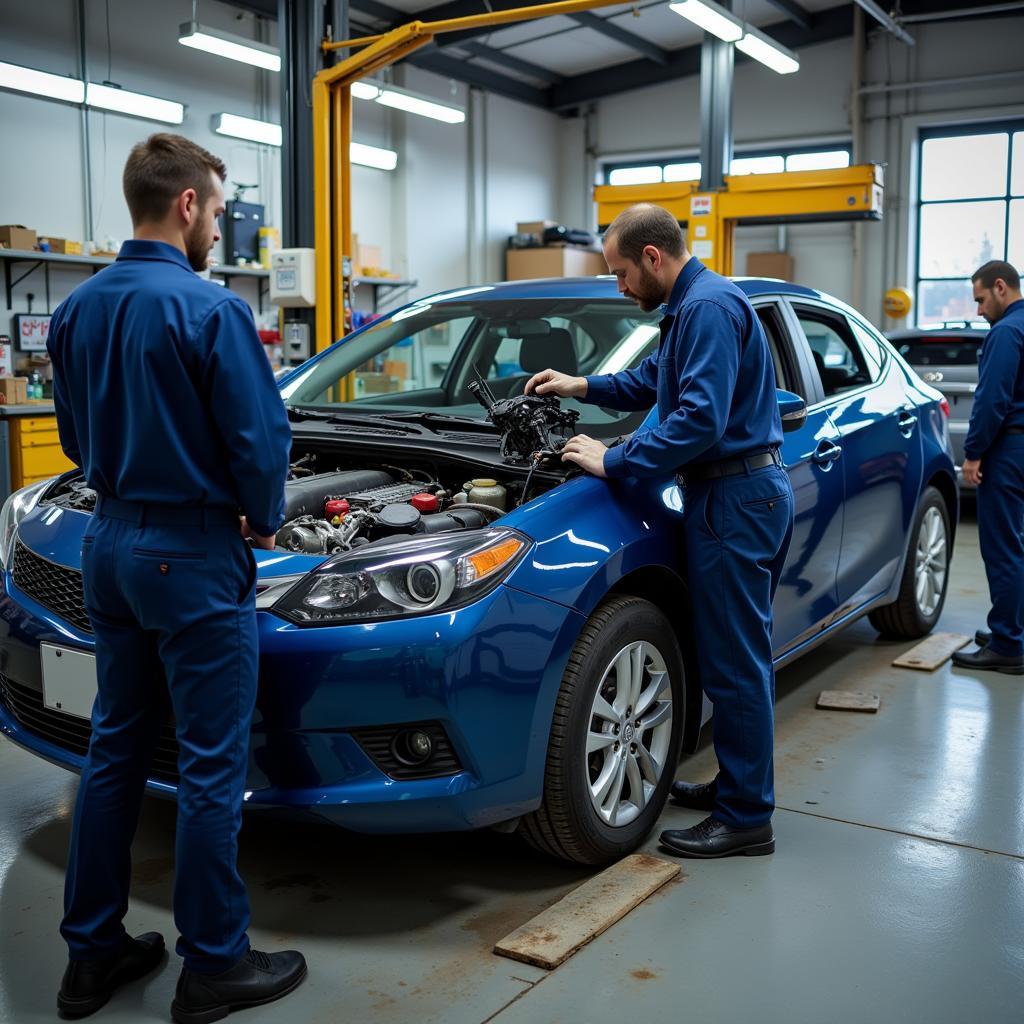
730,467
1013,430
148,513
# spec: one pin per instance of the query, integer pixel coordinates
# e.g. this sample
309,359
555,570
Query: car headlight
16,507
409,577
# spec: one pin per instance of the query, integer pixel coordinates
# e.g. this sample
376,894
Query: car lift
711,209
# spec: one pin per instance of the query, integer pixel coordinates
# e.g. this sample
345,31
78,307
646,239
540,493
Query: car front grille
56,587
71,733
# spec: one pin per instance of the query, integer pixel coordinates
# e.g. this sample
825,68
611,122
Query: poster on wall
31,331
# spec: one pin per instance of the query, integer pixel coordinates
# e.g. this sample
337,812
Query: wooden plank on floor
555,934
931,652
849,700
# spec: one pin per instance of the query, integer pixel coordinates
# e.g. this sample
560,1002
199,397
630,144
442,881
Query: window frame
1008,126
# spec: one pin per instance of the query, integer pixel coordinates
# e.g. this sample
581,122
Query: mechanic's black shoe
985,657
711,838
88,984
982,637
700,796
257,979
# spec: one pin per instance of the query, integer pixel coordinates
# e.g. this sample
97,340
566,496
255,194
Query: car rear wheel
925,575
615,736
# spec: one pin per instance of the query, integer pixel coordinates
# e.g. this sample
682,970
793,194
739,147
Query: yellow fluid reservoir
488,492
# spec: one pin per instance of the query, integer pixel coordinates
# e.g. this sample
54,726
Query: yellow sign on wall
897,303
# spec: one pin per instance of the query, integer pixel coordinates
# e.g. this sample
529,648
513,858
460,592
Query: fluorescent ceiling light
107,97
269,134
265,132
372,156
39,83
365,90
712,18
401,100
224,44
770,53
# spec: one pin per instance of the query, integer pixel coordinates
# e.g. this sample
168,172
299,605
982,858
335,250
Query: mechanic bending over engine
719,431
165,399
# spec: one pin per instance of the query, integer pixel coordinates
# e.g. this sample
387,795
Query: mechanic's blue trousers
172,608
1001,538
738,530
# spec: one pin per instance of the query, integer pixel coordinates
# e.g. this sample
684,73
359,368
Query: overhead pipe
961,12
886,21
940,83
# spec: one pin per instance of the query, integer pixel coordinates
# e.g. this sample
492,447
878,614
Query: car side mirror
793,410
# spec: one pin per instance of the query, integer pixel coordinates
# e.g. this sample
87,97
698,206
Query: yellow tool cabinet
29,446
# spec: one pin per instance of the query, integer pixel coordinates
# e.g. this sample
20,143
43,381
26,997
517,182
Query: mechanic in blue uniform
994,463
714,384
167,402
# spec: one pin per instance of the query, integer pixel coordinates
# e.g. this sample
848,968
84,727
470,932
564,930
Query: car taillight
944,406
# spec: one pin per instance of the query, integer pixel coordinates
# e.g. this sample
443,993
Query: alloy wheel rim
931,562
629,733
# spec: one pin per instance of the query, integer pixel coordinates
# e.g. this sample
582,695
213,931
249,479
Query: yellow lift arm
847,193
332,135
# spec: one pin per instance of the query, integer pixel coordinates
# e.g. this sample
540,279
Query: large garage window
970,211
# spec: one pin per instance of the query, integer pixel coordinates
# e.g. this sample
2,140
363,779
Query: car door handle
827,452
906,421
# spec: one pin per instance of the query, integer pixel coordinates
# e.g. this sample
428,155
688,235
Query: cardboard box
535,227
366,258
13,390
17,236
372,383
778,265
524,264
61,245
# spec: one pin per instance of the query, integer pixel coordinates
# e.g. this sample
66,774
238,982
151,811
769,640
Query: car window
871,348
940,351
786,376
837,358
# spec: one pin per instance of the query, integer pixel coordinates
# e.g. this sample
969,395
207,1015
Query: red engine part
335,507
424,502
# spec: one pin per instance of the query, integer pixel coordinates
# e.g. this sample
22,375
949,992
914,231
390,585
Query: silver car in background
946,358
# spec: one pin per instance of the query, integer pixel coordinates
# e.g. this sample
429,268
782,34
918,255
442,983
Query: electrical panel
293,278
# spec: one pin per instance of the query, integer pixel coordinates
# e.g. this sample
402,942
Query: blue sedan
457,630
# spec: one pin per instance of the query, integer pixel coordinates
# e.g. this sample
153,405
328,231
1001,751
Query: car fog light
413,746
424,582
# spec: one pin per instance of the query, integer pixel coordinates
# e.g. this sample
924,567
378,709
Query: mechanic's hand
972,471
551,382
587,453
258,540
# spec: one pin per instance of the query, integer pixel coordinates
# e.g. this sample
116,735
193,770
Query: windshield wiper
299,412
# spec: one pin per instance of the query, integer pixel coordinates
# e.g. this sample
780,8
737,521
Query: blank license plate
69,680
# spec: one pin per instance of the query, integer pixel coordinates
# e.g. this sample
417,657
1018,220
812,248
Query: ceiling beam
524,67
793,11
833,23
607,28
432,59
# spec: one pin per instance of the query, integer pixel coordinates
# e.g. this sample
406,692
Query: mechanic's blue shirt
999,400
711,375
163,392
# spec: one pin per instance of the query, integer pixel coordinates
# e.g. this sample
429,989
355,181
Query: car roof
603,287
960,333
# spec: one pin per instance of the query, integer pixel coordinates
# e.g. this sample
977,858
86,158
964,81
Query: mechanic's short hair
989,273
646,224
160,169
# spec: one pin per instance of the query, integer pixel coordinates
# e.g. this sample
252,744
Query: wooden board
931,652
583,914
849,700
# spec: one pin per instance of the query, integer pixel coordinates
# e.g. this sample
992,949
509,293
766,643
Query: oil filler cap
425,502
399,517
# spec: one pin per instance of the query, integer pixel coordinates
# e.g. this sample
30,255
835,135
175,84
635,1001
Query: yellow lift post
847,193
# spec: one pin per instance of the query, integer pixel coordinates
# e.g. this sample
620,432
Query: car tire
630,638
914,613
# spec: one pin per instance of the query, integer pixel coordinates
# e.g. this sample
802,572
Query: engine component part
335,507
424,502
460,518
488,492
306,497
314,536
397,518
529,424
376,498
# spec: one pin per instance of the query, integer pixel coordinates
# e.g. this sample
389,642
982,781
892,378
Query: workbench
29,446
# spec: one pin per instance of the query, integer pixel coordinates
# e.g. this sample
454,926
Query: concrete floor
896,892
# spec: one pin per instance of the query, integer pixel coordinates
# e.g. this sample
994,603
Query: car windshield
419,362
940,351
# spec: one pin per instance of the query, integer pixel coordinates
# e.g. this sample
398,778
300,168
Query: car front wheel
615,736
925,575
